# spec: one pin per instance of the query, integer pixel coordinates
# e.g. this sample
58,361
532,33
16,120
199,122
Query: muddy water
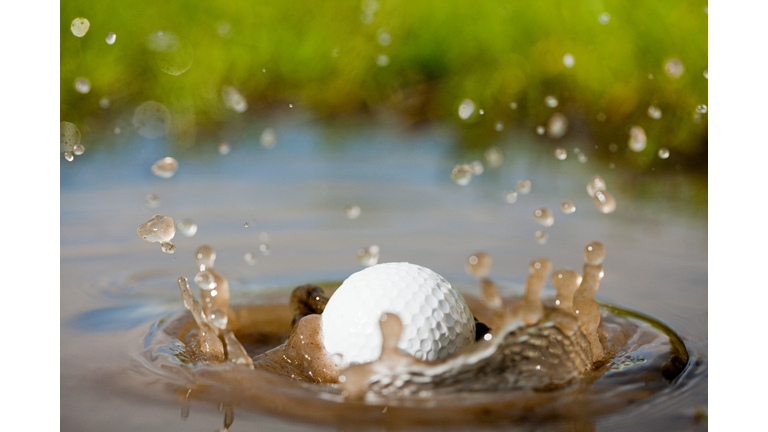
117,291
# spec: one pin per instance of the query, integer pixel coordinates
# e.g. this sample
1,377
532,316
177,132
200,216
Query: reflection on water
116,289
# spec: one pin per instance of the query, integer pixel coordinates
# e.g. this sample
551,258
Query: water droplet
654,112
561,153
637,140
168,247
674,67
481,111
461,174
596,183
104,102
151,201
544,216
188,227
697,118
264,249
510,196
165,167
494,157
706,73
541,236
223,28
540,129
82,85
601,117
383,37
335,52
663,153
233,99
499,126
582,157
80,27
701,109
69,136
523,187
68,156
466,109
111,37
78,149
370,256
513,105
174,55
605,201
290,105
205,280
205,256
613,148
604,18
264,236
152,119
550,101
557,126
218,318
117,131
250,258
611,165
568,60
477,168
352,211
382,60
245,224
268,138
224,148
479,264
159,228
567,207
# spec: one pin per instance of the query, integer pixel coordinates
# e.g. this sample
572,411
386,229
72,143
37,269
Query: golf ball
436,319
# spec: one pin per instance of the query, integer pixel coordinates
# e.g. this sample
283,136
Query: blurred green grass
441,52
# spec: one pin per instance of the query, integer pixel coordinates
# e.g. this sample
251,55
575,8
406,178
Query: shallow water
115,287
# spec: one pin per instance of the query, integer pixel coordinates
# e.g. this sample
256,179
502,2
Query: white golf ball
436,319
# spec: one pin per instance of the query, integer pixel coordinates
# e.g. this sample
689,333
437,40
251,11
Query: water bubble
466,109
499,126
382,60
165,167
383,37
369,256
523,187
264,236
205,280
605,202
550,101
78,149
352,211
68,156
637,139
80,27
224,148
223,28
601,117
268,138
613,147
111,37
104,102
541,236
205,256
151,201
568,60
218,318
152,119
233,99
604,18
69,136
494,157
540,129
513,105
706,73
264,249
477,168
654,112
567,207
510,196
168,247
701,109
544,216
596,183
250,258
663,153
582,157
674,67
557,126
478,264
188,227
82,85
461,174
159,229
561,153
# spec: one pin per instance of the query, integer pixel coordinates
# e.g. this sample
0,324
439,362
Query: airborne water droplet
674,68
541,236
218,318
568,60
604,18
479,264
466,109
268,138
265,250
111,37
567,207
82,85
523,187
654,112
513,105
165,167
383,37
706,73
168,247
499,126
152,119
582,158
250,258
461,174
352,211
224,148
159,228
561,153
233,99
78,149
69,137
104,102
151,201
663,153
382,60
494,157
511,196
80,27
544,216
604,201
540,129
370,256
701,109
477,168
557,126
205,280
68,156
637,140
550,101
188,227
596,183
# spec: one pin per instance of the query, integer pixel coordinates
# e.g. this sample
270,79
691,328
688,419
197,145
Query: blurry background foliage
322,56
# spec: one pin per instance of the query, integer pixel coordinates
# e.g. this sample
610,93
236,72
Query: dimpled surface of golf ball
436,319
